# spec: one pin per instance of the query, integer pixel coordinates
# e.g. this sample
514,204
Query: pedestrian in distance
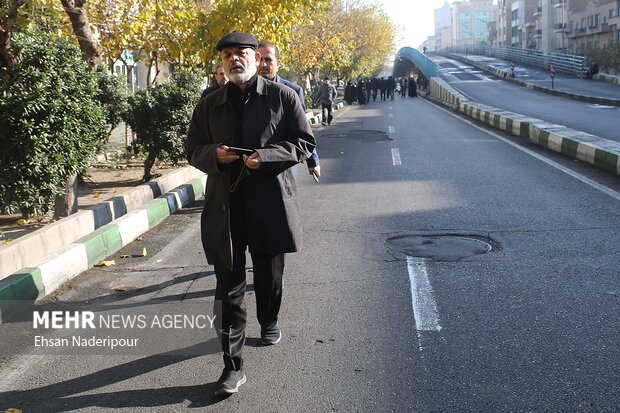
413,88
220,81
403,87
246,136
391,86
326,96
349,93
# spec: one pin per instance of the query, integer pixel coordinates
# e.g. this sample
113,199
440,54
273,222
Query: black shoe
271,337
229,382
323,123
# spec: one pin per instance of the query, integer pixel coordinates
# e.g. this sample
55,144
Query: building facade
565,26
592,24
470,22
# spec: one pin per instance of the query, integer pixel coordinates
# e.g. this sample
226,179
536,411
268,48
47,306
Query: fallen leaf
143,252
104,263
7,241
96,195
23,221
125,256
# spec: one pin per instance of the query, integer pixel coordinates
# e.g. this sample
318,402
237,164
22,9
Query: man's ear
257,57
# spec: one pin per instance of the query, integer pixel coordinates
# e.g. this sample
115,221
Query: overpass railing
567,63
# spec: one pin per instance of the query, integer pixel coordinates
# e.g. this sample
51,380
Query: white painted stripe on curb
132,225
586,153
422,301
395,157
63,266
555,143
390,129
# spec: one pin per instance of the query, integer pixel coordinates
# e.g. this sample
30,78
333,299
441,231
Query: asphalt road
485,88
531,325
563,82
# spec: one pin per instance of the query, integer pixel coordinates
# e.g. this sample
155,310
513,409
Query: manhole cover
439,247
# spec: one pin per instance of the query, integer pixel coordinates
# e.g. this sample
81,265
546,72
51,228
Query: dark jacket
274,124
313,161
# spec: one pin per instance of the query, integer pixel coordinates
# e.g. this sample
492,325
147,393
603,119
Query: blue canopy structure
408,57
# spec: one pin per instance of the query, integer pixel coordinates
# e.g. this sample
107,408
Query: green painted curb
606,161
102,243
198,188
569,147
25,285
157,210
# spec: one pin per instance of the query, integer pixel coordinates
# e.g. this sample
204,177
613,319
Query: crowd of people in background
365,90
362,91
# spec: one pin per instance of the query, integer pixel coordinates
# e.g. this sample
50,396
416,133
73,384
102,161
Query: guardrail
567,63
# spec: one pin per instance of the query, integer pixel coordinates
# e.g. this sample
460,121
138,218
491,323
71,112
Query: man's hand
224,156
316,170
252,161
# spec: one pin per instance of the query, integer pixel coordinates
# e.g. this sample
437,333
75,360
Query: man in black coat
250,199
220,81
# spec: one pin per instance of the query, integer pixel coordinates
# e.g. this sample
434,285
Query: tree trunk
91,49
67,204
148,165
7,58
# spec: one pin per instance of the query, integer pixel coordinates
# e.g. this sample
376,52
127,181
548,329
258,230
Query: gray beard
240,78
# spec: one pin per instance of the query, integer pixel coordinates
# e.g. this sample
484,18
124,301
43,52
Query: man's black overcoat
275,125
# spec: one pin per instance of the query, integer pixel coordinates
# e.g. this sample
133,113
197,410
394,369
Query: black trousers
231,286
328,107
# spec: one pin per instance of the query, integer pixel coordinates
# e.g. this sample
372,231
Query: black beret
237,39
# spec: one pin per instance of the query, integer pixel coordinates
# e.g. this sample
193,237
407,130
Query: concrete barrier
607,78
26,250
36,281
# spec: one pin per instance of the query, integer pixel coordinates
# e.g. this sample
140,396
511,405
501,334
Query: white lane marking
395,157
422,301
390,116
389,107
570,172
390,129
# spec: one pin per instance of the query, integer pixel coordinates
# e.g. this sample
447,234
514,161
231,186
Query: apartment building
592,24
443,26
471,22
551,23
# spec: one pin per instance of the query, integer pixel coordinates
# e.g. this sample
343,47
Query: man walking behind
220,81
268,68
326,96
250,200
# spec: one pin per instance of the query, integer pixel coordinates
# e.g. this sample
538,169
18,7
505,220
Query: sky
414,19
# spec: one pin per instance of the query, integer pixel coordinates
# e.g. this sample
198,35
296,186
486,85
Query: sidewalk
592,91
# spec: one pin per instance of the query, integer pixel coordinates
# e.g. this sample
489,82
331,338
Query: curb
318,118
601,77
33,247
35,282
505,76
599,152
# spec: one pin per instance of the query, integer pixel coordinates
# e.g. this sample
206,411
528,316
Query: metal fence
567,63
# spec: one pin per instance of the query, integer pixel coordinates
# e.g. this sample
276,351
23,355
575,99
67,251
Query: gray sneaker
271,337
229,382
